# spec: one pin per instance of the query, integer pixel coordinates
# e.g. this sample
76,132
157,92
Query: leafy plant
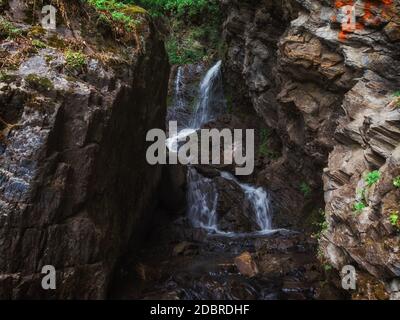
372,177
394,219
359,206
8,30
75,60
396,182
305,189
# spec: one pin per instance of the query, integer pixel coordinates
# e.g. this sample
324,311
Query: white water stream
202,193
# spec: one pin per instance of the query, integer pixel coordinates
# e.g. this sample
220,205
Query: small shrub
396,182
305,189
359,206
76,61
372,177
394,219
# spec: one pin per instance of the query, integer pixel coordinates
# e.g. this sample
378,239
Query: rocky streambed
181,262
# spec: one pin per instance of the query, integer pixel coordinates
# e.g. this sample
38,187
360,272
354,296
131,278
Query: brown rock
392,30
246,265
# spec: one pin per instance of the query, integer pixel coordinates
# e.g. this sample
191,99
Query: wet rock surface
180,262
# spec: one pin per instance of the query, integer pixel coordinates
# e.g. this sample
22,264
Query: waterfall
211,97
202,199
259,201
179,101
202,193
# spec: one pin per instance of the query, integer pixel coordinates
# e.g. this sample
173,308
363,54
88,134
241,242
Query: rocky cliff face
326,92
75,187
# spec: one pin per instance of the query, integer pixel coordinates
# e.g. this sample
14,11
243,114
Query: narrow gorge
317,80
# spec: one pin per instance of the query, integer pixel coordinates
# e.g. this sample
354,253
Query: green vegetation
38,44
327,267
189,8
194,28
305,189
185,51
321,225
118,12
396,182
8,30
394,219
264,149
76,61
359,206
372,177
39,83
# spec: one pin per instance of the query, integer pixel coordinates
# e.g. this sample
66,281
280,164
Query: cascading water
259,201
211,97
202,192
202,198
179,101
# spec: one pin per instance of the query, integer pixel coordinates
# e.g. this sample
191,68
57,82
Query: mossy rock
39,83
133,10
36,31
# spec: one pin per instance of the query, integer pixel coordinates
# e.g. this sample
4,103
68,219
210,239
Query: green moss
38,44
115,11
39,83
36,31
133,10
76,61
